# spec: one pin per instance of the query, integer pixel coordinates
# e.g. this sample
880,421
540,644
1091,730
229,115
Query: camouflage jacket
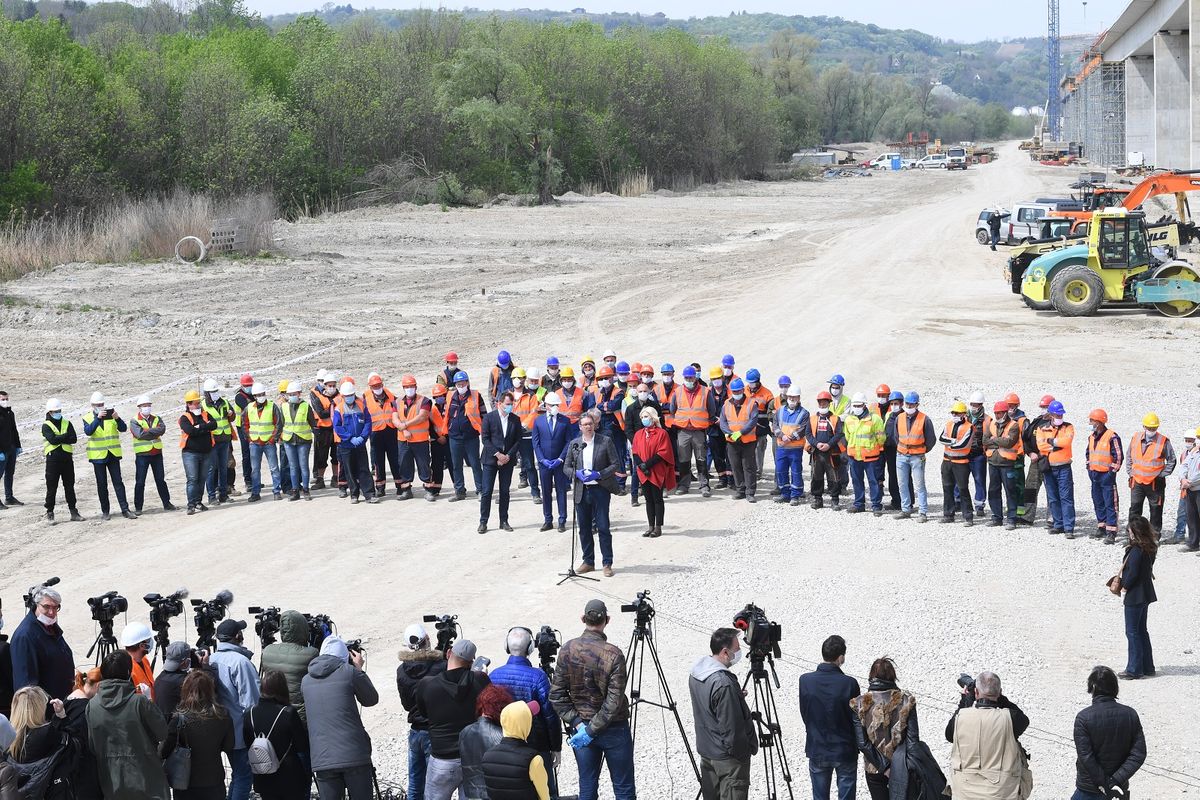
589,683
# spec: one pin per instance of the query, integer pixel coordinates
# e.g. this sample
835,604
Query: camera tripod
105,642
766,717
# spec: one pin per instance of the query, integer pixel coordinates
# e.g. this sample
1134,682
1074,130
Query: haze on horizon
961,22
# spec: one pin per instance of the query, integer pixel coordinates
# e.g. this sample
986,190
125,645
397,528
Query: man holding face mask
103,426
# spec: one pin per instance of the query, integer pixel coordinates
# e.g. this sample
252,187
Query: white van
883,161
933,161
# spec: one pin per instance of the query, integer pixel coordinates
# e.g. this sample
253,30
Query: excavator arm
1177,183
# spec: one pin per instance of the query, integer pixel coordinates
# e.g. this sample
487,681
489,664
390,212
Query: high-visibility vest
326,406
614,391
470,407
1007,453
105,439
691,409
664,402
61,431
834,421
864,436
183,436
1099,452
217,412
956,455
763,397
526,409
339,404
262,422
414,434
840,406
1055,443
148,445
572,404
738,418
910,440
380,409
438,422
295,422
1146,463
787,429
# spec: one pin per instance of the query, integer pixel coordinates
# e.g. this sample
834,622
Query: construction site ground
876,278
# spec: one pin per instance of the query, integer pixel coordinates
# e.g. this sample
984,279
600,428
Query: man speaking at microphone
591,465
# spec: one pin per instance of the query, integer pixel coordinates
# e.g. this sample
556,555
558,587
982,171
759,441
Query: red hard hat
1001,407
1012,399
883,390
1046,400
451,356
408,380
1099,415
825,396
247,379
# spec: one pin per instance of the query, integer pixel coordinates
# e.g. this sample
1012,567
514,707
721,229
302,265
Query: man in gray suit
592,466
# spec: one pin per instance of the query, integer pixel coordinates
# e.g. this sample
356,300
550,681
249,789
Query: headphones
529,648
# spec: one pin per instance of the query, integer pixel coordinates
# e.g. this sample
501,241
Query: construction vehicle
1116,265
1095,198
956,157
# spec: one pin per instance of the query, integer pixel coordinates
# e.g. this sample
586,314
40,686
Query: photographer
417,661
448,702
725,734
339,747
40,654
125,730
825,696
291,655
237,692
588,692
986,758
138,641
1109,744
177,662
526,682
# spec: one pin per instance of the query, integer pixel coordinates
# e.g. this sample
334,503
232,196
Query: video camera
762,636
106,607
355,646
966,682
319,627
547,645
447,628
161,611
266,623
33,590
208,614
642,607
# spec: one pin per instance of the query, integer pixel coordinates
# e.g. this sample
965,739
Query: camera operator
338,744
829,743
237,691
417,661
986,758
448,702
1109,743
178,660
40,654
725,734
588,692
526,682
138,641
291,655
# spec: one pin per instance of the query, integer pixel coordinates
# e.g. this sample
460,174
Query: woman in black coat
202,724
42,737
1137,582
86,780
279,721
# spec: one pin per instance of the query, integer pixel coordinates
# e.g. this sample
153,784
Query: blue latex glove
547,464
582,474
356,441
1,458
581,738
556,463
592,476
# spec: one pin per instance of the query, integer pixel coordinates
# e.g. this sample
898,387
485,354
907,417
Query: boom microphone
225,597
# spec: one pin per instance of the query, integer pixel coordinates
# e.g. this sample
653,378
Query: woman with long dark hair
275,718
201,723
655,462
1137,583
884,716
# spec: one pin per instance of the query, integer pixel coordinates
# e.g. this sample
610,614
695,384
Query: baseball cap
464,649
177,653
595,610
230,628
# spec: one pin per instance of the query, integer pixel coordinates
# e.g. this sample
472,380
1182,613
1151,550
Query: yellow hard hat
1150,420
191,396
283,387
587,360
567,372
959,407
519,372
715,372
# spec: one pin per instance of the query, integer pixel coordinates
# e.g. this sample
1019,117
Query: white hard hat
144,400
793,390
859,397
976,398
211,385
293,387
321,375
552,399
347,388
415,636
258,388
135,633
97,399
53,404
533,374
609,354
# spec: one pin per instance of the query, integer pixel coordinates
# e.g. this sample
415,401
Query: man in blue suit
551,435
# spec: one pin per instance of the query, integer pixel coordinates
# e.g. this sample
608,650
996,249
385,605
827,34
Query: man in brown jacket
1002,445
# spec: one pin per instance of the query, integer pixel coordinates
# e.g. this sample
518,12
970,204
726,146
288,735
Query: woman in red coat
655,463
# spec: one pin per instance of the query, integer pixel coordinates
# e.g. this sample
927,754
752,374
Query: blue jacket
237,685
547,446
42,657
825,697
526,682
349,425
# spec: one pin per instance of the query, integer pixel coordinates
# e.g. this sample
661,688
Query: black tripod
105,642
766,717
162,638
635,659
571,573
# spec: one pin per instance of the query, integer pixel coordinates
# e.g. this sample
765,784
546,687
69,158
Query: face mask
294,399
55,415
735,658
261,398
3,404
727,371
668,379
589,372
460,389
860,411
1150,432
508,408
643,396
568,384
330,391
910,410
836,391
451,365
378,392
738,396
531,385
42,618
647,422
552,410
194,409
605,383
1057,422
793,402
823,411
718,383
552,372
883,401
411,391
691,384
145,410
959,417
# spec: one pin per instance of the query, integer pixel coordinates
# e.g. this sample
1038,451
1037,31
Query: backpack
261,754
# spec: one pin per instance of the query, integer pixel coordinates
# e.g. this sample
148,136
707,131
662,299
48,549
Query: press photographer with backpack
277,736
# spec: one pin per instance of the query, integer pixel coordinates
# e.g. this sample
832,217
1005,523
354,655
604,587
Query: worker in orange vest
464,422
692,411
911,431
320,399
1033,479
412,422
1003,447
587,373
385,447
826,445
956,464
739,423
1054,447
1151,460
502,377
1104,458
439,442
527,404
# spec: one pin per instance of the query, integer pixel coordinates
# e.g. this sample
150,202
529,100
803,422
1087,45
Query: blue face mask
647,422
508,408
55,415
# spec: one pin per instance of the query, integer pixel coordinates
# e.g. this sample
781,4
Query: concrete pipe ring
179,256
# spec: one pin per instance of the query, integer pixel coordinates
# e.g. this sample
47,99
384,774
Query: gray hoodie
724,729
337,738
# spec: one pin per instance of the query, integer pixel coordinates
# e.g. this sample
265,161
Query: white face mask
1057,421
793,402
718,383
260,398
910,410
42,618
735,658
860,410
605,383
3,404
738,396
145,410
689,383
410,391
330,390
552,372
568,384
461,389
643,396
668,379
1150,432
823,410
531,385
378,392
589,371
194,409
552,410
835,390
727,371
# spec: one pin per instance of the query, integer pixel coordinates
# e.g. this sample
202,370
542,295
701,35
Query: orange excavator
1100,197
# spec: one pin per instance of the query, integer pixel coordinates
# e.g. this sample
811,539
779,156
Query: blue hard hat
1056,408
503,358
837,380
667,367
726,361
736,385
895,395
552,361
784,380
689,371
753,376
622,367
460,376
912,397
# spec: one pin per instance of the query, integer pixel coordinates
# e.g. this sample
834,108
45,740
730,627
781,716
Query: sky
961,20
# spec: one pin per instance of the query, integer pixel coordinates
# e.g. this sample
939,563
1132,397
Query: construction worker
1151,460
501,378
1054,446
890,403
225,414
1002,445
352,424
1190,484
622,378
243,398
446,376
298,423
464,415
665,393
739,423
439,442
1189,446
826,445
1104,458
196,429
147,431
610,358
575,401
719,389
103,426
285,469
727,365
60,438
381,405
790,429
1033,476
977,461
912,433
587,373
263,426
552,381
608,396
692,412
411,419
320,399
956,466
527,405
762,396
837,390
551,436
778,401
865,437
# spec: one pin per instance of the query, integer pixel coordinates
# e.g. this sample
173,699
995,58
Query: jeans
821,773
1104,500
256,453
218,478
297,453
418,760
864,475
196,467
490,473
912,468
414,462
110,467
557,479
335,784
1080,794
1002,480
529,467
9,470
442,778
465,450
591,512
1181,518
789,472
614,745
1060,496
979,476
240,774
149,463
1141,654
995,237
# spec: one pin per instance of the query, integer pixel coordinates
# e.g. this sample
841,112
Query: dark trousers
439,457
655,507
529,466
285,470
1141,655
148,462
591,514
554,489
110,467
956,476
1033,485
877,785
825,469
465,451
247,473
621,444
322,449
1002,479
60,468
218,478
355,471
1192,506
718,453
692,446
743,463
490,473
1060,496
9,469
1152,492
385,448
357,782
1105,500
887,465
414,459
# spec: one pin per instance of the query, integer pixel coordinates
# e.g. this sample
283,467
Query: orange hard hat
883,390
605,372
825,396
408,380
439,390
1046,400
1098,415
451,356
374,380
1012,399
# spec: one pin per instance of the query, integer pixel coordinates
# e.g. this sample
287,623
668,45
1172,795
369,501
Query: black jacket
825,696
168,686
9,438
1109,745
633,414
1020,722
50,434
1138,577
6,677
605,461
494,438
86,780
415,665
208,737
448,702
284,727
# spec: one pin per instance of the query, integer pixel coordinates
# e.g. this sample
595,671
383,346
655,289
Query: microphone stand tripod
571,573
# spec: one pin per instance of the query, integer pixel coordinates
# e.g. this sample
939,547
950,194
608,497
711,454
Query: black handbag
178,765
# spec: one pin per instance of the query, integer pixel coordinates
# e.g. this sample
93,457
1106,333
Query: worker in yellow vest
263,425
299,424
103,426
60,438
225,414
1151,460
147,431
864,446
956,464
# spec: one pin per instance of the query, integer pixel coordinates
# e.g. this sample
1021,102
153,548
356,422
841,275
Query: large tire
983,237
1038,305
1076,291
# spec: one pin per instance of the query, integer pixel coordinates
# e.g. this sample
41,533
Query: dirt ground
877,278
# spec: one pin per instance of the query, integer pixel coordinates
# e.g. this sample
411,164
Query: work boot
278,495
1069,535
106,516
307,494
202,507
319,483
585,569
993,523
431,497
76,516
878,512
817,504
137,512
127,514
373,499
740,496
294,496
253,498
50,517
1010,526
923,519
705,492
459,496
536,497
836,504
1110,539
12,501
1055,531
522,484
191,510
407,494
608,571
904,515
751,499
781,499
170,507
944,520
343,492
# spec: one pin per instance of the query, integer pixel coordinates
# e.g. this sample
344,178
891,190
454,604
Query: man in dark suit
592,464
552,432
500,440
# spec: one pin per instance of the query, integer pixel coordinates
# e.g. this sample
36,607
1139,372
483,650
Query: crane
1053,120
